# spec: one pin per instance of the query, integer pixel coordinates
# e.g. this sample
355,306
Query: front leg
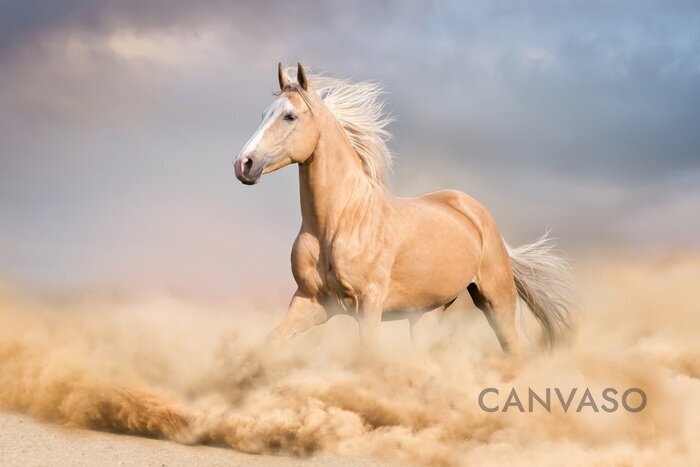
304,313
369,317
423,326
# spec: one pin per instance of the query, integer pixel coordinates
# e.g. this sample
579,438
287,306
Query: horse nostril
247,164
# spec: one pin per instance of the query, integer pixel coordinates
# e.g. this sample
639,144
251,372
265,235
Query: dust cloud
198,373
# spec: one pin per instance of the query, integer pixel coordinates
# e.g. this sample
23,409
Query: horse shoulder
362,251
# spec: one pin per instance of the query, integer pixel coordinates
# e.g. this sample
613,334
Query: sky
119,121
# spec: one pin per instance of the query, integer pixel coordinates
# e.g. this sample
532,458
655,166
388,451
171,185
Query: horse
365,252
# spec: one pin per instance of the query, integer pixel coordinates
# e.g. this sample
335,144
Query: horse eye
290,117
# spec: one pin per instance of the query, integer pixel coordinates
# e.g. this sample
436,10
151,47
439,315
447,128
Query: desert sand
199,377
25,442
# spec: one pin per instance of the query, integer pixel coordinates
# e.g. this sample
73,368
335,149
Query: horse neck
332,181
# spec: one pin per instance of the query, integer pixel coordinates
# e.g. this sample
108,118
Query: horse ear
301,77
282,76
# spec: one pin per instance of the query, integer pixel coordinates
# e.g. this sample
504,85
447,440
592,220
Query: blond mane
359,109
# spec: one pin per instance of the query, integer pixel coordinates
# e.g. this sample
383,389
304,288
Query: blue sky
119,121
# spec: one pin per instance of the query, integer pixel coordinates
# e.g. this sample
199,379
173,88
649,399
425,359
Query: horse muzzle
247,170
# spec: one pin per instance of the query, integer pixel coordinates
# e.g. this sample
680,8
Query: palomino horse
375,255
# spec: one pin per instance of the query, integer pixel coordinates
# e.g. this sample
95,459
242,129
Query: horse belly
435,266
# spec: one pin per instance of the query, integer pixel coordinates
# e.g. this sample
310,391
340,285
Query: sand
25,442
198,375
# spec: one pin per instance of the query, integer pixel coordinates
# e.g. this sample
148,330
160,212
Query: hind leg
498,305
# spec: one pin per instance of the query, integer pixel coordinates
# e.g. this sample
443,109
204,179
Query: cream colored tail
543,281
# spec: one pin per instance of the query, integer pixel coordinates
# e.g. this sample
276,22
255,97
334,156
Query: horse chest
339,269
338,278
343,275
339,290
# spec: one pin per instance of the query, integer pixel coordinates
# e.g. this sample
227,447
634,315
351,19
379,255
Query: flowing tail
543,281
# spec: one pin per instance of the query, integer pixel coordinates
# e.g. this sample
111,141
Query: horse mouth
248,181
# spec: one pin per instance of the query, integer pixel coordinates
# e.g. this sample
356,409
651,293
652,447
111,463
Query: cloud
119,121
